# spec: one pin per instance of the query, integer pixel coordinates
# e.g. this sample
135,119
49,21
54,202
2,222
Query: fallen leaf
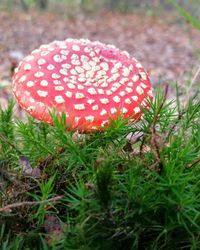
27,169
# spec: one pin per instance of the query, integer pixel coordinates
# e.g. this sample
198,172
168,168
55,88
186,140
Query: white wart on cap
90,81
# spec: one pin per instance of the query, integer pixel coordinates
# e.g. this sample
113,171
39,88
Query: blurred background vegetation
72,7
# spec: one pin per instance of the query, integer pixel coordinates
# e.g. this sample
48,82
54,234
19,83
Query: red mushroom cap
90,81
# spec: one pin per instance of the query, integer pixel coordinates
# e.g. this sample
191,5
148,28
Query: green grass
188,17
102,190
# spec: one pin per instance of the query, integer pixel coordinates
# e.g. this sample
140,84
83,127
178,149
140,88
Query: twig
180,116
192,84
29,203
194,162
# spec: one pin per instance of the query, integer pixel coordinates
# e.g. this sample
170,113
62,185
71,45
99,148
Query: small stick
180,116
192,84
29,203
194,162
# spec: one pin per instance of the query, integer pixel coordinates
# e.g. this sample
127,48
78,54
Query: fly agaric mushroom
90,81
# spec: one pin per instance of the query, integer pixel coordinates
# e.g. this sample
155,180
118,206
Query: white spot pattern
22,79
116,99
39,74
79,95
55,76
135,98
128,101
64,72
30,84
50,67
92,91
31,109
90,101
136,110
68,94
71,86
124,110
42,93
44,83
78,71
122,93
27,66
59,99
143,75
103,112
113,110
139,90
57,58
135,78
144,86
59,88
95,107
108,92
79,106
41,61
75,47
104,100
89,118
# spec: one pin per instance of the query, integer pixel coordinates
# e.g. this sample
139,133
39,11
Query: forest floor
134,186
166,46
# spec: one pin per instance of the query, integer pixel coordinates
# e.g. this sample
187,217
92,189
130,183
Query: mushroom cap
90,81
